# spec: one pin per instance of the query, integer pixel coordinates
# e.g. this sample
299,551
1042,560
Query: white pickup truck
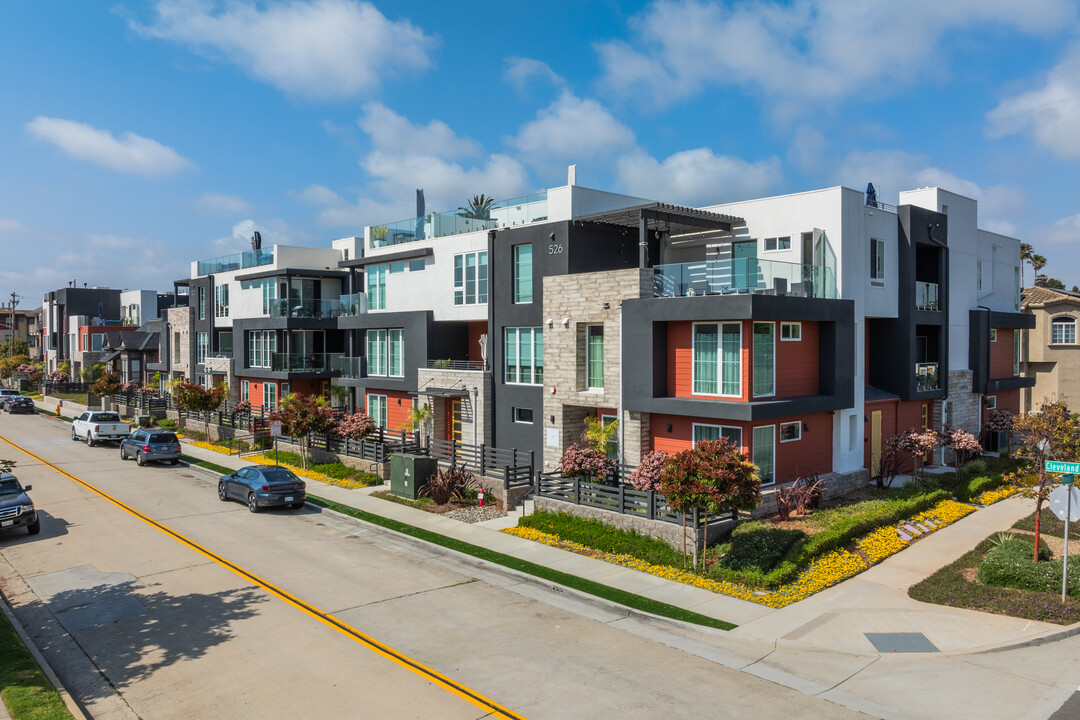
94,427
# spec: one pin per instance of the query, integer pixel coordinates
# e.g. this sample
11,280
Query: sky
136,137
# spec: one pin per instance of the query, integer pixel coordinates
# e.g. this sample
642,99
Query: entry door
453,419
744,264
875,443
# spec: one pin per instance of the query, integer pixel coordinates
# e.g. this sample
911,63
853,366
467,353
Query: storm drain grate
901,642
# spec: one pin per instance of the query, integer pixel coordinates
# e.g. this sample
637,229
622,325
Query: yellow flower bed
992,496
210,446
309,474
822,573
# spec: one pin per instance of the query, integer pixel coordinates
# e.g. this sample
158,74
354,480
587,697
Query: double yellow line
414,666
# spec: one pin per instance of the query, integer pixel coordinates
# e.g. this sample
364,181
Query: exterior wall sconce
805,427
566,322
550,322
669,427
552,419
607,306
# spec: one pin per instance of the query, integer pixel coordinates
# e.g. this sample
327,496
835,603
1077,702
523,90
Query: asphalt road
138,623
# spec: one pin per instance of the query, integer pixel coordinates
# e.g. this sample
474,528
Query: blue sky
139,136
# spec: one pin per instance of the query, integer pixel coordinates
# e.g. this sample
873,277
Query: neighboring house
135,354
1051,354
23,325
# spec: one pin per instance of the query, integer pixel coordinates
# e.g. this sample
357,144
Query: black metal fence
621,498
50,386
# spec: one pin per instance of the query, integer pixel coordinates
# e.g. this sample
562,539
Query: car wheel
297,505
123,455
139,459
222,495
74,437
174,461
89,439
253,503
35,527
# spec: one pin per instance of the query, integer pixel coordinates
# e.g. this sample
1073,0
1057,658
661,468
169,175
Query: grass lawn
23,687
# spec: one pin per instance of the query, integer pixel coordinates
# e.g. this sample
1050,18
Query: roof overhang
388,257
672,220
294,272
444,392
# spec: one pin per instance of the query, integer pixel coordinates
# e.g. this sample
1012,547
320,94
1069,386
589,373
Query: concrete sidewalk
835,620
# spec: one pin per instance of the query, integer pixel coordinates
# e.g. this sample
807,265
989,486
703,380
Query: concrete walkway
834,620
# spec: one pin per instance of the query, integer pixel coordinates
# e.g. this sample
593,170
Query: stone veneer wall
581,298
965,407
671,533
179,321
467,379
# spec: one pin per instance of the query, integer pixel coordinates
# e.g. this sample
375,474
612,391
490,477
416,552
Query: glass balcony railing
351,368
926,296
504,213
353,305
318,309
926,377
239,261
303,362
743,275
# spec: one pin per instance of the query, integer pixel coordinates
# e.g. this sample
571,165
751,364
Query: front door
453,419
875,443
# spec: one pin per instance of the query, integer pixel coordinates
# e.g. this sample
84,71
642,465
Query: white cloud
220,204
10,227
274,232
524,73
1050,114
696,177
320,49
129,153
795,53
394,133
571,129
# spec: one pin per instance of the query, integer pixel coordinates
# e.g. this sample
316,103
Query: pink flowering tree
586,463
242,408
59,376
962,444
919,444
355,426
129,387
646,476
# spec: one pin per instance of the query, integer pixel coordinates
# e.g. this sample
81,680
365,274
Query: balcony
239,261
504,213
926,377
471,365
317,309
926,296
351,368
353,305
743,275
303,362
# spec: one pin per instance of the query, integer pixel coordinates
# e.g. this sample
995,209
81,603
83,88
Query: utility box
409,473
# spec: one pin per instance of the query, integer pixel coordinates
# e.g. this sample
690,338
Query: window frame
990,401
1016,352
993,335
720,428
754,360
270,396
479,278
589,377
518,415
377,352
778,243
202,303
1065,322
789,326
245,391
202,347
755,447
221,300
877,262
798,428
520,279
385,408
719,325
536,369
375,286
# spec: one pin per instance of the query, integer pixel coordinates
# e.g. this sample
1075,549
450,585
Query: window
269,294
386,352
790,431
419,264
877,261
376,352
269,396
991,402
176,347
396,343
978,276
715,432
524,353
1063,331
523,275
245,390
764,359
470,278
202,303
594,356
790,331
261,346
224,344
764,455
993,334
202,345
221,301
376,287
97,341
397,267
376,408
523,415
778,243
717,363
1016,352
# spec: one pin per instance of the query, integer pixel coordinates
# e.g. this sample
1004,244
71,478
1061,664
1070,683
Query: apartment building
24,325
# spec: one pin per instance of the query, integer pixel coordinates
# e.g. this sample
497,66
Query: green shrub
978,485
166,424
757,547
195,435
597,535
1009,565
976,467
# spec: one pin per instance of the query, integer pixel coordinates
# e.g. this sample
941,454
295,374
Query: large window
717,364
877,261
202,303
594,356
470,278
269,294
221,301
386,352
1063,331
764,359
376,352
523,275
376,287
765,453
1016,352
269,397
524,353
202,345
97,341
262,344
715,432
245,390
376,408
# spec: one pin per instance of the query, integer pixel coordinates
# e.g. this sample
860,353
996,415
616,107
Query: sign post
275,432
1065,482
1066,508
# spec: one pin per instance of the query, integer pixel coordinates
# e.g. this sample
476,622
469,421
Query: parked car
151,446
6,393
18,403
16,508
95,426
263,486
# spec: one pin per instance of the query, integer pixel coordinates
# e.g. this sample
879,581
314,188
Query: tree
1038,262
479,207
1049,282
92,373
14,346
963,445
10,365
585,463
420,418
713,476
196,398
646,476
106,385
601,436
304,415
918,444
355,426
1049,433
1026,252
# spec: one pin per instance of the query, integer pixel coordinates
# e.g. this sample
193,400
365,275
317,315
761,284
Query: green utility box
409,473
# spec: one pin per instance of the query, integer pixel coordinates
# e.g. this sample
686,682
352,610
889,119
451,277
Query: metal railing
303,362
926,296
318,309
743,275
622,499
351,368
926,377
476,365
352,305
880,205
239,261
504,213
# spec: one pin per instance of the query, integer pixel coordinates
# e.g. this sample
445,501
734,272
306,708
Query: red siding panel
797,363
1001,354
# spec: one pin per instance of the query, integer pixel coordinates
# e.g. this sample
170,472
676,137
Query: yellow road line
414,666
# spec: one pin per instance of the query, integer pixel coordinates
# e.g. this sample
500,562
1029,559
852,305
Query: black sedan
16,508
263,486
19,404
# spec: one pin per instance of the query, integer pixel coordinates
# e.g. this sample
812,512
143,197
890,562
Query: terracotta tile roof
1038,295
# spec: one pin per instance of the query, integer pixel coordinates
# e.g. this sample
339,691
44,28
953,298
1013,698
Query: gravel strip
476,514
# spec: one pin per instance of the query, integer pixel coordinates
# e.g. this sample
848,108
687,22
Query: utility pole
11,340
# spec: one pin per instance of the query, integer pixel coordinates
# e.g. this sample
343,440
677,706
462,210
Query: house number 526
555,249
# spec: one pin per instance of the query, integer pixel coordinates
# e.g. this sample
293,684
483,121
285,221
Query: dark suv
16,508
151,445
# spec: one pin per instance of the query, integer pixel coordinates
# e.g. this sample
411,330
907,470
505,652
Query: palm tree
1038,262
479,207
1025,256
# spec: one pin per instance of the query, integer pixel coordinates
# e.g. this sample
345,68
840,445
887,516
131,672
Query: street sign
1059,466
1059,500
275,428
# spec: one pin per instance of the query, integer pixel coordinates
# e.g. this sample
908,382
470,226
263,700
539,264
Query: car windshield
163,438
9,486
105,417
278,475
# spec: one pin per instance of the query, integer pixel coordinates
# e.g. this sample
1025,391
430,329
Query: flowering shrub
962,443
242,407
106,385
355,426
646,475
59,376
129,387
585,462
1000,421
148,390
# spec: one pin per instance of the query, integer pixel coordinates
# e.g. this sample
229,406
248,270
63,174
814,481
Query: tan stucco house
1051,352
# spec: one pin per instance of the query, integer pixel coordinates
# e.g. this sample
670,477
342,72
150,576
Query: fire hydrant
480,496
58,410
